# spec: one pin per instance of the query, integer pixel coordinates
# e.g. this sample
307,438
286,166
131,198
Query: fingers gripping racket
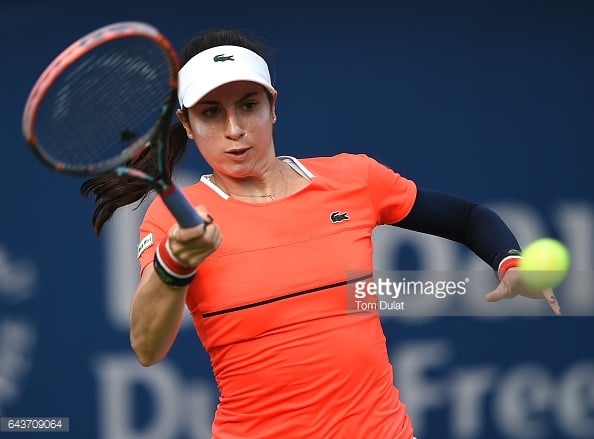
104,100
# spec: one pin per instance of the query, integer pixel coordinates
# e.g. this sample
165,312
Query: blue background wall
490,100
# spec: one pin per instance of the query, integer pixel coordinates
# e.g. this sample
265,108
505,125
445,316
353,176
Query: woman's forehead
233,89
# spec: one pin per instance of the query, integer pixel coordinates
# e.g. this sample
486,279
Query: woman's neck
273,184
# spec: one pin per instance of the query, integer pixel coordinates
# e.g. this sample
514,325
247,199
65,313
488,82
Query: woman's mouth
238,153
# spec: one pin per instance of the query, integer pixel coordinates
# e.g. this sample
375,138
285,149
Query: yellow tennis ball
544,263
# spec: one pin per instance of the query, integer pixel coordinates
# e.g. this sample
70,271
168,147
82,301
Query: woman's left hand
511,286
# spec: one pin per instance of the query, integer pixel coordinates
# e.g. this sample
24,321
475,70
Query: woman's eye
211,112
250,105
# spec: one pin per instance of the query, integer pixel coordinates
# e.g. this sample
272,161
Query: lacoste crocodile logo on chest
338,217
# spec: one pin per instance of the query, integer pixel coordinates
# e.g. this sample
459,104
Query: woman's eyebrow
247,96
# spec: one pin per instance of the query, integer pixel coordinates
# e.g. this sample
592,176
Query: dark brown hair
112,192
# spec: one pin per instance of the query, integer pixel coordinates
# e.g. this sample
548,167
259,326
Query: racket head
103,100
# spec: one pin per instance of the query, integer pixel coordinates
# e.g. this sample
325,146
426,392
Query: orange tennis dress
270,304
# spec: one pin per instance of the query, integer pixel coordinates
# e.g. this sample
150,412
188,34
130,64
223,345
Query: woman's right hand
191,246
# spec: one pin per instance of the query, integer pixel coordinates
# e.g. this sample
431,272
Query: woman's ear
185,122
273,108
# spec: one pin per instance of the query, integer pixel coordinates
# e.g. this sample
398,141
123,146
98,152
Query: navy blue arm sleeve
463,221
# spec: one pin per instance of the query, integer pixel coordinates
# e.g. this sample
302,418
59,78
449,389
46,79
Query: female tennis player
266,278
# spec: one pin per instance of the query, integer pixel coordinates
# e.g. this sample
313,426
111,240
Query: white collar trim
289,160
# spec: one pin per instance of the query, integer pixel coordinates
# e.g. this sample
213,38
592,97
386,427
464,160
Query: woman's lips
237,154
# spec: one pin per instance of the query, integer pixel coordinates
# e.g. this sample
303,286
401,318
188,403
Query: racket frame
156,136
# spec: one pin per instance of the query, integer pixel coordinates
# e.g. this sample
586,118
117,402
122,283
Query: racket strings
105,102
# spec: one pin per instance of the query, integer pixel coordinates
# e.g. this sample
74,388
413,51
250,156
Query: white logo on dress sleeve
146,242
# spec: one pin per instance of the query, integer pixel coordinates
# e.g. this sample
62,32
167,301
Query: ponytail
112,192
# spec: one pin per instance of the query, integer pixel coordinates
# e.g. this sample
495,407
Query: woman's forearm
155,317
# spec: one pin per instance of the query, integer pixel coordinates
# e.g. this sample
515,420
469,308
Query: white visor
217,66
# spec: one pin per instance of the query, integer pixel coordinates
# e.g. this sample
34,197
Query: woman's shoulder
342,163
193,192
343,158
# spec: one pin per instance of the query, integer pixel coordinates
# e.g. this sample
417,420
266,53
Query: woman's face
232,128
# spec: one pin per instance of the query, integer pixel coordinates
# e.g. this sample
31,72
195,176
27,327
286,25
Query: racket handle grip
181,208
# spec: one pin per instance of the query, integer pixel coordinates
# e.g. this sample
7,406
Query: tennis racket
104,100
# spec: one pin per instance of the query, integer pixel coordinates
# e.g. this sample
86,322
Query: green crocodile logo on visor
223,58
